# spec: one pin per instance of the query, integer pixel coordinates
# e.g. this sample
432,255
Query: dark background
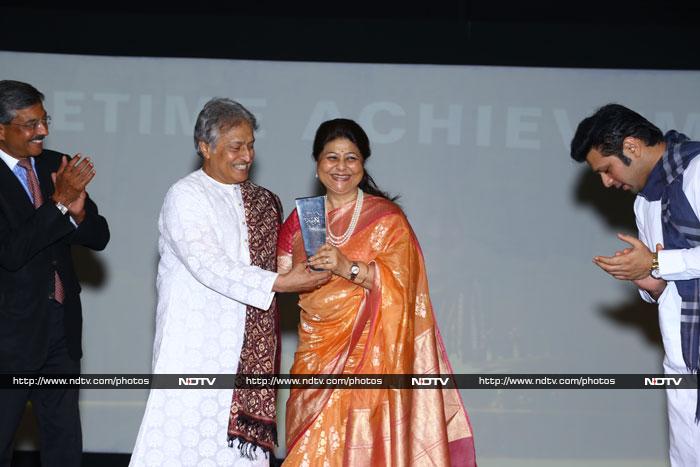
591,34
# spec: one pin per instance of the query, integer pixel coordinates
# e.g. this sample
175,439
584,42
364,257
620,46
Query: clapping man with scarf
630,153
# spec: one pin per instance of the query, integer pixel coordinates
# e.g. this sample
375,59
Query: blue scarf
681,230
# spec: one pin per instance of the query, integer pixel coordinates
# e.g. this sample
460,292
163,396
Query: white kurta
205,281
684,433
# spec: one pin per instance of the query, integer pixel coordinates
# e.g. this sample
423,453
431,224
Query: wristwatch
354,271
654,270
61,208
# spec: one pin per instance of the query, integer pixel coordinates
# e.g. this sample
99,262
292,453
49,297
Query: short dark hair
16,95
606,129
344,128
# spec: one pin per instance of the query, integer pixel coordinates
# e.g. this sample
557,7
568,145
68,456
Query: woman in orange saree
373,317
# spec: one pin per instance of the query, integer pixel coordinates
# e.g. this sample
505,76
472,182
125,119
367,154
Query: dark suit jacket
33,244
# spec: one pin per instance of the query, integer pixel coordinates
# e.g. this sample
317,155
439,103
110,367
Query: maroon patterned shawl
252,419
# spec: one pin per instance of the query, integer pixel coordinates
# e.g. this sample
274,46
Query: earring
316,175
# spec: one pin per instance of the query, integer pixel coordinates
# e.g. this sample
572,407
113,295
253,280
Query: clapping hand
70,181
632,263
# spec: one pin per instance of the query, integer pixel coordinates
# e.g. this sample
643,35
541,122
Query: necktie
38,200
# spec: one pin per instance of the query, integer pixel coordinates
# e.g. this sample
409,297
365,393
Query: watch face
655,274
355,269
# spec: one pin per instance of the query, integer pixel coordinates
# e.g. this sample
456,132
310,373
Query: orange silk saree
390,329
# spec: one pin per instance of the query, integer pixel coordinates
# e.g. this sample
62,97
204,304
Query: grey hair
16,95
217,115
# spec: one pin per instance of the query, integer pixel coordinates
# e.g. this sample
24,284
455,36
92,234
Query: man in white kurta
205,282
624,149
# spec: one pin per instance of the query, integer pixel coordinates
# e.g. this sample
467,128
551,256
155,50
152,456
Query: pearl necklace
338,240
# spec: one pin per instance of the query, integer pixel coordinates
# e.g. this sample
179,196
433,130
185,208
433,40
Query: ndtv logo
429,381
662,381
196,381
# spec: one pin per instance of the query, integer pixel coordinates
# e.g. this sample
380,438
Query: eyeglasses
34,124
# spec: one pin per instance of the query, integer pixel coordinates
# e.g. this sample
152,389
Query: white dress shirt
674,265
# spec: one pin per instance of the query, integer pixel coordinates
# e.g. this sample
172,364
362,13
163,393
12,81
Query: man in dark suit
44,209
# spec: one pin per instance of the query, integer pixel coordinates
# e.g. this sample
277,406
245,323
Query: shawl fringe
261,433
247,446
248,449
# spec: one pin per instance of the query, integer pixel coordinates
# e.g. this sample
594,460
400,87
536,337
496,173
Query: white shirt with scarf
674,265
205,281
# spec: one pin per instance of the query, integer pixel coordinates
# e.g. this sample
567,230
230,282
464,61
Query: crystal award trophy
312,219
